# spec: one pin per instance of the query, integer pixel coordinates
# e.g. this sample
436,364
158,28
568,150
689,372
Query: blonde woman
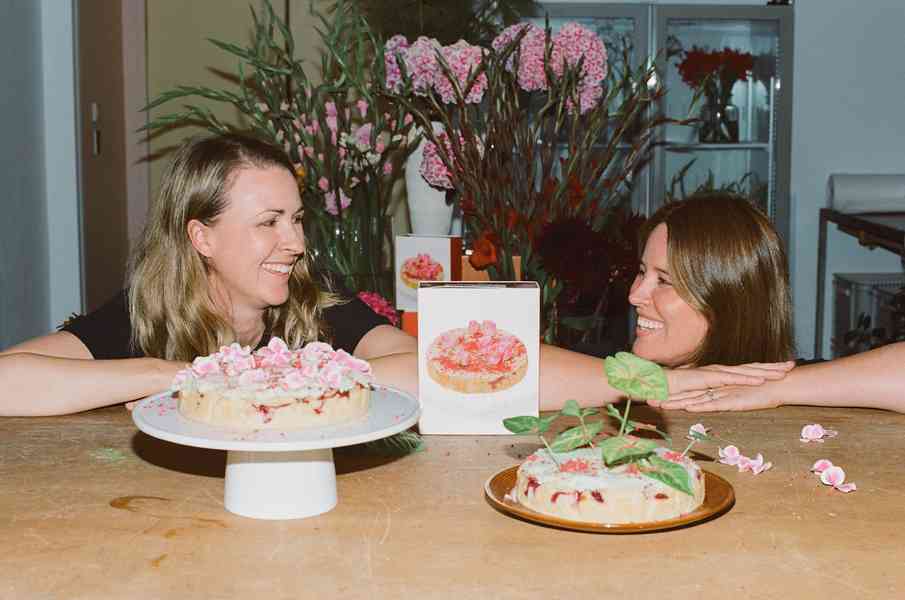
223,259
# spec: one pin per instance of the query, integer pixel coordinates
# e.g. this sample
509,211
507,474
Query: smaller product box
478,354
424,258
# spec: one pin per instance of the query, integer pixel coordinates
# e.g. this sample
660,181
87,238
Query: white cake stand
274,474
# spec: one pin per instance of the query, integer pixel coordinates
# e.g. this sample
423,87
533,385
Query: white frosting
581,487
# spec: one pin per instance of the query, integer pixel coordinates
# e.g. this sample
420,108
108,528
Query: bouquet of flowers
347,140
714,73
539,142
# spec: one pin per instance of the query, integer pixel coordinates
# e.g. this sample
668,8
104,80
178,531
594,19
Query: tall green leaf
637,377
622,449
672,474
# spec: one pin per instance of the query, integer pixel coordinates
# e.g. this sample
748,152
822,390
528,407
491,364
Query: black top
107,332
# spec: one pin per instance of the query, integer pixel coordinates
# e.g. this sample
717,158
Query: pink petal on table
764,466
833,476
729,455
697,428
816,433
846,487
821,465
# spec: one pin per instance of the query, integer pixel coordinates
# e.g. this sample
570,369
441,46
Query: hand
729,398
693,383
165,371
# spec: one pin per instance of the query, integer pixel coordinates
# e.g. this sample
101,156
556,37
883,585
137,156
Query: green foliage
672,474
576,437
619,450
637,377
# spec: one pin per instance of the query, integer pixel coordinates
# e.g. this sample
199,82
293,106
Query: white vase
428,211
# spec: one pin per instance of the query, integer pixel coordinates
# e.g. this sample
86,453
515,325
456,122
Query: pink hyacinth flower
835,477
729,455
816,433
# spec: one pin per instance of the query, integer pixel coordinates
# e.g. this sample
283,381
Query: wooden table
92,508
886,230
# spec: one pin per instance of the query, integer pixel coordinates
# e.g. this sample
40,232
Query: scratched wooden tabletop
92,508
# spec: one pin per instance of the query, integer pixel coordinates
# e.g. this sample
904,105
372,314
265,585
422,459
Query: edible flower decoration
730,454
832,475
638,378
816,433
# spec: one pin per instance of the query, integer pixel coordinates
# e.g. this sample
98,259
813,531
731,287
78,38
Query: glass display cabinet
729,68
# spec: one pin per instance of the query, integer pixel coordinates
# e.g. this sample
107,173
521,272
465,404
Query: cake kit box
478,348
424,258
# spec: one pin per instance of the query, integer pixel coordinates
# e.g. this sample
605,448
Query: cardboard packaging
424,258
478,354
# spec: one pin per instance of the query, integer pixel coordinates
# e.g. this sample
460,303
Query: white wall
39,258
60,159
23,228
849,116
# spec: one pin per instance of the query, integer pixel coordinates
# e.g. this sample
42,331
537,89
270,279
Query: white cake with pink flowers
578,486
275,387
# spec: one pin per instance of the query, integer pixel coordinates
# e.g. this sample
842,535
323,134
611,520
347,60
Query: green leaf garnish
621,449
576,437
672,474
571,409
543,423
522,424
637,377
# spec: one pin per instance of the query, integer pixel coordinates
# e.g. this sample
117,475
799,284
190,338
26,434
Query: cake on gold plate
477,359
582,488
274,387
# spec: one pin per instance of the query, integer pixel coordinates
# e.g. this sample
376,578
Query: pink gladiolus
323,184
816,433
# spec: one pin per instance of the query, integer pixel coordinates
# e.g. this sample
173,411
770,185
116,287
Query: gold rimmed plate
718,498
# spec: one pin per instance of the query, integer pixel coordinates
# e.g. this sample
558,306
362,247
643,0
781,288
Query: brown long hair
172,312
727,261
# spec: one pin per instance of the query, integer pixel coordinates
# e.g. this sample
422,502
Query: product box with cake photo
424,258
478,347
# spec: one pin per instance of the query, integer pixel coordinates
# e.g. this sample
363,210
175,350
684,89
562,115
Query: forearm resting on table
397,370
38,385
567,375
874,379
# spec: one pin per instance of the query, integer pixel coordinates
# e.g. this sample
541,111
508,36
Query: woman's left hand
730,398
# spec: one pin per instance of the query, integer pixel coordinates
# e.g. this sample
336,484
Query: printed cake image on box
478,347
424,258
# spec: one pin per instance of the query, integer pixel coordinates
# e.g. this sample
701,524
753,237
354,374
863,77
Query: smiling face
251,247
669,330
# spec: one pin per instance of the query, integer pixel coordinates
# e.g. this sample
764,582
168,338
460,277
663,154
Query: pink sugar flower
835,477
206,365
816,433
253,376
729,455
275,354
294,380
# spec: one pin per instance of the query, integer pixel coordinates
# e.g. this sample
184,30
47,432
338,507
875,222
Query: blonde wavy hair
172,312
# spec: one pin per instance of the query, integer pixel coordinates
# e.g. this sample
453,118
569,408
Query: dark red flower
483,252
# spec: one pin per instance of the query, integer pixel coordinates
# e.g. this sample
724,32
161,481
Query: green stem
549,450
687,448
624,420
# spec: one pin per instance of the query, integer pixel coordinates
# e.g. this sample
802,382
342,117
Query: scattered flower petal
821,465
697,428
816,433
729,455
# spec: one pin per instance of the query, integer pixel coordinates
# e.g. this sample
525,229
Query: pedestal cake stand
274,474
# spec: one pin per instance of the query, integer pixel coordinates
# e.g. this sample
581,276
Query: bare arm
568,375
55,374
393,355
874,379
